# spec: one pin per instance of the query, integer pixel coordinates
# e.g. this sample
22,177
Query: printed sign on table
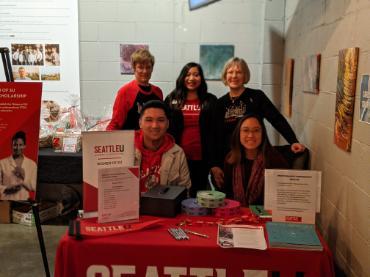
118,194
19,139
293,195
104,150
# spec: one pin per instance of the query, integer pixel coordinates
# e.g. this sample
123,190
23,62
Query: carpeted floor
20,253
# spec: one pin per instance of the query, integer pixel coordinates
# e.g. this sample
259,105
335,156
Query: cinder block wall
174,35
325,27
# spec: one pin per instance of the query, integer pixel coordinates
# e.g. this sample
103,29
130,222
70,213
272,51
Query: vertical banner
101,151
19,139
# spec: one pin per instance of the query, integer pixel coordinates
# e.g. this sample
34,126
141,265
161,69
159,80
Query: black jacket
228,112
205,121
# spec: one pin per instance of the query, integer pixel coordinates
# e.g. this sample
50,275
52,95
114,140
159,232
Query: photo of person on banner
17,172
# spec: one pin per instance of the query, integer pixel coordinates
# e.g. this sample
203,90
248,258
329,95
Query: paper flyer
101,150
19,139
241,236
118,194
293,195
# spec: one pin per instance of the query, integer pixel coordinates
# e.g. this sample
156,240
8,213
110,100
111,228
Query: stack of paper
293,236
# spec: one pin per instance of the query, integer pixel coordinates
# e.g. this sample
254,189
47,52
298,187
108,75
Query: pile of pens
178,233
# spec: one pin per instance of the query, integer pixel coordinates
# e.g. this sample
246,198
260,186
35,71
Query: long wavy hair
237,152
180,92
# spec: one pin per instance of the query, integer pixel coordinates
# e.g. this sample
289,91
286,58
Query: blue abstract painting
213,58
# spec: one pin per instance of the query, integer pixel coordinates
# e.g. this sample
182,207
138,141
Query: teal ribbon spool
210,198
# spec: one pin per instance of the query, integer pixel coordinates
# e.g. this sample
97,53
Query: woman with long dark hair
251,153
191,105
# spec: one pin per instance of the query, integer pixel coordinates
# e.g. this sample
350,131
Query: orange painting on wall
345,98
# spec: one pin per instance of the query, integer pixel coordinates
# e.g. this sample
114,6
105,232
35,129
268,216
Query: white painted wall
258,29
174,35
326,26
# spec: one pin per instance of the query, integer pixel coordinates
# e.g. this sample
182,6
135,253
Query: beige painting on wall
311,74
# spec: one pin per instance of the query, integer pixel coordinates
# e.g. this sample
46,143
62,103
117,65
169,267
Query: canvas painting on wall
126,51
288,87
365,100
213,58
311,77
345,98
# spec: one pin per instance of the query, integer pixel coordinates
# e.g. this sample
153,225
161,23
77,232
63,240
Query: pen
196,233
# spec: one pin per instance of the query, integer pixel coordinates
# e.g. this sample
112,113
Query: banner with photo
43,51
19,139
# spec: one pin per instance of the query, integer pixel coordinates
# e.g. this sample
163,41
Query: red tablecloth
153,252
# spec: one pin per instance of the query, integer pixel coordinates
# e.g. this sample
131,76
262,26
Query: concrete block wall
327,26
174,35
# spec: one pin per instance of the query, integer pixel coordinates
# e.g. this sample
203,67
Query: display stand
34,205
6,63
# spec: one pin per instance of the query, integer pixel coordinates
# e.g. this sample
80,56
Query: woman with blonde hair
239,101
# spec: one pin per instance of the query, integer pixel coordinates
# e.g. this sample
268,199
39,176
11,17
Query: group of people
190,134
28,55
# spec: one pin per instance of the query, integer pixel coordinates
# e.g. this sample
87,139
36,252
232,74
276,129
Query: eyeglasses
253,131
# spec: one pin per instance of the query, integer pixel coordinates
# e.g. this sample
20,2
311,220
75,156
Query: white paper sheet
293,195
241,236
118,195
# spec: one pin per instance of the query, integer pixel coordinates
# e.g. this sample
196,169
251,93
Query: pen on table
196,233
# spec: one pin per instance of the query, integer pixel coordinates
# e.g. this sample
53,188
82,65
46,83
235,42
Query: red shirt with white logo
190,139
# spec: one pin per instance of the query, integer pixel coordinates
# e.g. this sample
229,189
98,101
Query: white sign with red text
293,195
102,150
118,194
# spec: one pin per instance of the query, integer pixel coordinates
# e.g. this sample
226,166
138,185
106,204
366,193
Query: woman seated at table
251,152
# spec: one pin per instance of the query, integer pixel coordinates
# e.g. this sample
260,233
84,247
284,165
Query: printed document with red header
293,195
118,194
19,139
101,150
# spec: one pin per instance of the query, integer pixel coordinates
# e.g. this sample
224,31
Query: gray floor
20,252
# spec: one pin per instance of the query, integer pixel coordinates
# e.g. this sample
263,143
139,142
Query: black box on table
163,201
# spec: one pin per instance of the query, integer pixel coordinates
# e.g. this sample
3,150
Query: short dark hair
157,104
19,135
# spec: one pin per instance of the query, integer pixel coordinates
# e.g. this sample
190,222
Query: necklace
234,98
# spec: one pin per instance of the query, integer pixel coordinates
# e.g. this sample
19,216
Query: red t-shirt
190,139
